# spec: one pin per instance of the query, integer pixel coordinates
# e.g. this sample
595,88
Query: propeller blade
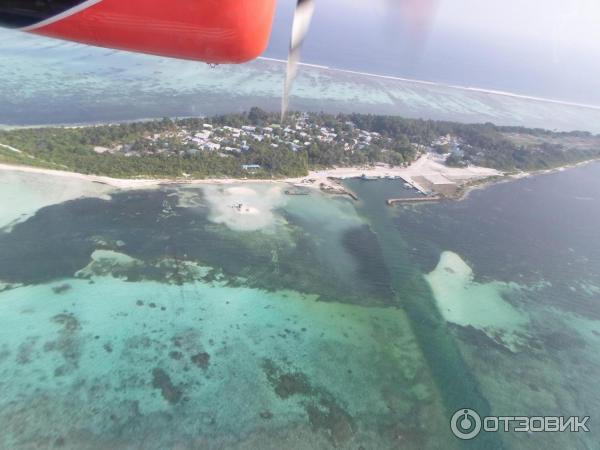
302,17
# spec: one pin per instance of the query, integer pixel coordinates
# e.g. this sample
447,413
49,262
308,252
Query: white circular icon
465,424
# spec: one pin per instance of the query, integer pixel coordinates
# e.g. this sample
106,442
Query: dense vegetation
489,145
156,149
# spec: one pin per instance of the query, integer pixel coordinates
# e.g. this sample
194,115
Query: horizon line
440,84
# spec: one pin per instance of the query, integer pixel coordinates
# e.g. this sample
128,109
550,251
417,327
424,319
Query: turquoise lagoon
46,81
168,318
165,318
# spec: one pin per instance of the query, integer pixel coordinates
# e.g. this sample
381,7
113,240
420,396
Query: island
437,158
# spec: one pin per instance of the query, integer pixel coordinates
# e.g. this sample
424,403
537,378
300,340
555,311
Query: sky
546,48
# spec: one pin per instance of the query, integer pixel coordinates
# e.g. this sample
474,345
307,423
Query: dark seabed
165,318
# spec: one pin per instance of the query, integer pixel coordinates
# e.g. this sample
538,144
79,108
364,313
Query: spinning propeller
302,17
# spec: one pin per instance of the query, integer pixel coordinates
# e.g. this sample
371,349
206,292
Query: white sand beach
23,191
426,165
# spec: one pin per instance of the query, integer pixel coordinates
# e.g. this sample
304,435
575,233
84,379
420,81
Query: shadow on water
457,385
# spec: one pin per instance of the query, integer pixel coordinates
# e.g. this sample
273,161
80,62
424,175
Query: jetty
334,187
296,192
393,201
351,194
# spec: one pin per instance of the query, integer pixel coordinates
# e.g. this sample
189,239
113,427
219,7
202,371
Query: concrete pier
393,201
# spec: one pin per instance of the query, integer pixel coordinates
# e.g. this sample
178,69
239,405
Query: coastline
46,187
326,179
121,183
509,177
467,179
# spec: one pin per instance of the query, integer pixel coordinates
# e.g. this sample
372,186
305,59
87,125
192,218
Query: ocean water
45,81
167,318
513,275
159,319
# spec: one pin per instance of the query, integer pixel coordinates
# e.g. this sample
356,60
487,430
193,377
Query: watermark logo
466,424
